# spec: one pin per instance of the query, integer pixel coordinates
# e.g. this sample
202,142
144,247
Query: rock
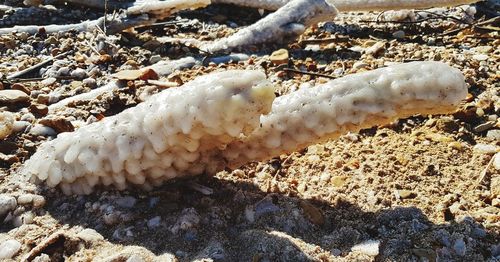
398,34
42,99
59,124
188,219
496,161
313,213
13,98
459,247
481,57
404,194
6,124
39,110
9,249
485,149
38,201
483,127
41,130
90,235
7,204
25,199
370,247
265,206
360,65
21,126
375,49
20,87
154,222
79,73
90,82
126,202
279,57
49,81
154,59
214,251
339,181
493,134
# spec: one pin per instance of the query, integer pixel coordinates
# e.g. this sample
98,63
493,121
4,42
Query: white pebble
9,248
370,247
485,149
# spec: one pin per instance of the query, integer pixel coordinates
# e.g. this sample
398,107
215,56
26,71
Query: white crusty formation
348,104
160,139
197,128
289,21
355,5
163,9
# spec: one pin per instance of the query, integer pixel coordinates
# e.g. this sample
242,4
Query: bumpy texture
160,139
163,9
315,114
289,21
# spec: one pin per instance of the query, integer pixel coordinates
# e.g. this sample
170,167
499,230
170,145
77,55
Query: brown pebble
313,213
42,99
279,57
59,124
20,87
39,110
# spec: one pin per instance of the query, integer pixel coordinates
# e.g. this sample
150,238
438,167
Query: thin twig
308,73
484,173
325,40
35,67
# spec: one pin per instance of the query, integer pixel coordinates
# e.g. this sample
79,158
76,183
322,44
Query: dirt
420,189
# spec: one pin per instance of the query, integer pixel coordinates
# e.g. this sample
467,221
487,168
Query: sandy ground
421,189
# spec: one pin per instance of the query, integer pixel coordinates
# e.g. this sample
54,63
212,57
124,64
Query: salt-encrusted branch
113,25
196,128
162,68
315,114
355,5
139,14
165,137
289,21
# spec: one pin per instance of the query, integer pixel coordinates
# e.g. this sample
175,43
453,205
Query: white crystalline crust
169,135
290,20
163,9
355,5
312,115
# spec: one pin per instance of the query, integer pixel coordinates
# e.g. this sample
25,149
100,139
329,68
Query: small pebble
79,73
493,134
9,249
398,34
25,199
41,130
480,57
49,81
279,57
154,222
126,202
90,235
496,161
485,149
370,247
6,124
459,247
7,204
12,97
154,59
483,127
90,82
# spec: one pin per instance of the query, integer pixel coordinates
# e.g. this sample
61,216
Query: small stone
51,41
7,204
154,222
79,73
25,199
42,99
39,110
41,130
90,235
90,82
339,181
485,149
59,124
483,127
370,247
279,57
313,213
399,34
404,194
38,201
63,71
6,124
376,48
49,81
154,59
496,162
20,87
126,202
480,57
360,65
9,249
459,247
493,134
11,97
